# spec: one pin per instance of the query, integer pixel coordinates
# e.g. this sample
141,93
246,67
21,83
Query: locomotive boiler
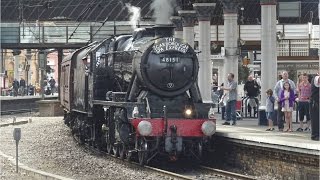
137,95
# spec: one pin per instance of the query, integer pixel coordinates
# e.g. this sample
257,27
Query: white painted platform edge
313,149
34,172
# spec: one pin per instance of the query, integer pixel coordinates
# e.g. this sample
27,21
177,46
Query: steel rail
172,174
227,173
17,111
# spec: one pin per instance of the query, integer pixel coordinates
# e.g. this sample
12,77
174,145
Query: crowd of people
286,93
19,88
284,96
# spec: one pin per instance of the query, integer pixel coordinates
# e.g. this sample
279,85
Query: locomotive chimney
163,30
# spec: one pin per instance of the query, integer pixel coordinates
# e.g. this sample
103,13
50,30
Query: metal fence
298,47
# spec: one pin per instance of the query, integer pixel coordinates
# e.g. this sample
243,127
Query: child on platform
269,109
287,99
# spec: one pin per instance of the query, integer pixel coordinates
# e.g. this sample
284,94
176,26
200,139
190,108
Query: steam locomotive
137,95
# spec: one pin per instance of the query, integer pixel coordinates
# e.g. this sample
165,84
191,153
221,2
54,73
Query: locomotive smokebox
163,30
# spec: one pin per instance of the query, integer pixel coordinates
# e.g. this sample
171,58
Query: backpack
52,82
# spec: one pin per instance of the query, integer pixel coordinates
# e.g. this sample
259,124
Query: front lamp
188,112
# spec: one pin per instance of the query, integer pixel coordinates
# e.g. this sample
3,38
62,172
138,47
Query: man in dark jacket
52,83
252,90
314,109
22,83
15,85
22,86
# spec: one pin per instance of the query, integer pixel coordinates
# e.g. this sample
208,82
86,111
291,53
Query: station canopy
249,11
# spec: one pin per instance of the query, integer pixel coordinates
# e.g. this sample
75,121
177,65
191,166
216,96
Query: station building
59,27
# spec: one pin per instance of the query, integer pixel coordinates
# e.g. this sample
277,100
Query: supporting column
42,57
231,36
178,31
60,57
1,61
220,73
188,18
204,13
28,66
16,59
268,47
2,70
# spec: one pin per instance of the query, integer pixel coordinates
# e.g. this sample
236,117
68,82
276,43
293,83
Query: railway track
18,111
215,172
17,118
227,173
158,170
198,169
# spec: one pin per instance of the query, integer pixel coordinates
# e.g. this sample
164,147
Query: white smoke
162,10
134,15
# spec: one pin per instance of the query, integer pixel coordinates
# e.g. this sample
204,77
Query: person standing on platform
22,86
299,81
221,102
314,109
52,84
304,93
287,99
252,90
15,86
231,88
277,91
270,108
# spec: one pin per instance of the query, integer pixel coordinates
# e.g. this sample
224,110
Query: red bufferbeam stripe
185,127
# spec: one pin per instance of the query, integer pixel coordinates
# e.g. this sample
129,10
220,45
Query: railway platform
248,131
284,155
11,104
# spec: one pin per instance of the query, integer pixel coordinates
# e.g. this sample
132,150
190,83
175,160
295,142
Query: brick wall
260,161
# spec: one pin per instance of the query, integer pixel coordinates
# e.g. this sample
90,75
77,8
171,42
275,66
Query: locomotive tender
137,94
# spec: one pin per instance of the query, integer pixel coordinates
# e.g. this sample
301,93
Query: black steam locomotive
137,94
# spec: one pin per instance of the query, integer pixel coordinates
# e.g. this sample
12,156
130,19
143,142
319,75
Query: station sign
170,44
298,65
217,56
254,66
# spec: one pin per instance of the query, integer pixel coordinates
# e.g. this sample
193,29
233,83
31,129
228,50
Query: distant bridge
295,40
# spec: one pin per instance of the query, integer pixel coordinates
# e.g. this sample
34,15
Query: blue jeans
231,111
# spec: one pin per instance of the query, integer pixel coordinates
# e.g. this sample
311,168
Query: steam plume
134,15
162,10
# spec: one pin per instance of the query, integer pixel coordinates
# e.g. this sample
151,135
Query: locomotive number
169,60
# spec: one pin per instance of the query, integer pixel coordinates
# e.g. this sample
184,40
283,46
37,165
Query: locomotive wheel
77,131
200,150
143,154
115,150
129,156
122,151
109,148
78,138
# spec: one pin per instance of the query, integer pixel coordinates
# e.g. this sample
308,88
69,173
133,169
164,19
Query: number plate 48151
169,60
